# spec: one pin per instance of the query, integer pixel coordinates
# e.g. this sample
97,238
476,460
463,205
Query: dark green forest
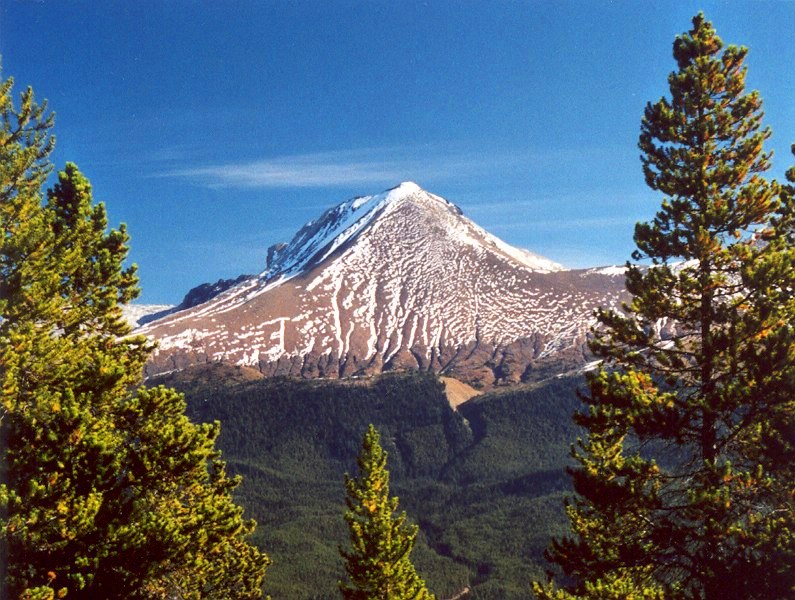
484,483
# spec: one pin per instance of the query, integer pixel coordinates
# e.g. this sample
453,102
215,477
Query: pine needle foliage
379,563
685,483
108,490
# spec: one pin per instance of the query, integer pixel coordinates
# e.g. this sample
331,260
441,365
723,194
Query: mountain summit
318,239
396,280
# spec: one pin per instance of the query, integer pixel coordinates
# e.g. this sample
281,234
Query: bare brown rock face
400,280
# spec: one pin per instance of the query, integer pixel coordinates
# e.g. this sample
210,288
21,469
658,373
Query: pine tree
25,144
108,491
684,484
379,564
788,197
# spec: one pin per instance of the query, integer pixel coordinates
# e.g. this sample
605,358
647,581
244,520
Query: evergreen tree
25,144
788,197
684,484
379,564
108,491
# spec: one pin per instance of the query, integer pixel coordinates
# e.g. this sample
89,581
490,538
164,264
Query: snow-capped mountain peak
321,237
400,279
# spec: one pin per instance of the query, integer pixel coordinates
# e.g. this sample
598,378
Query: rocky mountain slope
138,314
398,280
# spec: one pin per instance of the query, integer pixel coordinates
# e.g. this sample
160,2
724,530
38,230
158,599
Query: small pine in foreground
379,564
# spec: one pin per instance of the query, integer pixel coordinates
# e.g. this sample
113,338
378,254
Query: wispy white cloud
298,172
587,199
566,224
353,167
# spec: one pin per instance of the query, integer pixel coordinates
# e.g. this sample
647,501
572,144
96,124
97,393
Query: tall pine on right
684,480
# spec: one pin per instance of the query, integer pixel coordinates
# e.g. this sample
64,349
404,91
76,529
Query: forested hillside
484,482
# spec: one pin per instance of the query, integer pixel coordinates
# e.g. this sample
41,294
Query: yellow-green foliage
108,491
685,477
378,563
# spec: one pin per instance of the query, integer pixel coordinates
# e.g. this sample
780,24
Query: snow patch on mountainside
133,313
611,271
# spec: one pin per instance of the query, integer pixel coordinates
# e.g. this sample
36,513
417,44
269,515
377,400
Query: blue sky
214,129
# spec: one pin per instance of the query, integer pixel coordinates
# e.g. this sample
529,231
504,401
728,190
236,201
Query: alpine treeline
685,478
108,490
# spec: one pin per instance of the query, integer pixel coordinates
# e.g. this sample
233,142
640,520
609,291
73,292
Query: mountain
397,280
138,314
141,314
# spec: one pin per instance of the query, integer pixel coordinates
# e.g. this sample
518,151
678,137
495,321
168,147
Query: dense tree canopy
108,491
685,477
379,563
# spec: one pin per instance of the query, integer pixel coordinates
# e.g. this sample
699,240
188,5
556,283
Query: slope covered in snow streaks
396,280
